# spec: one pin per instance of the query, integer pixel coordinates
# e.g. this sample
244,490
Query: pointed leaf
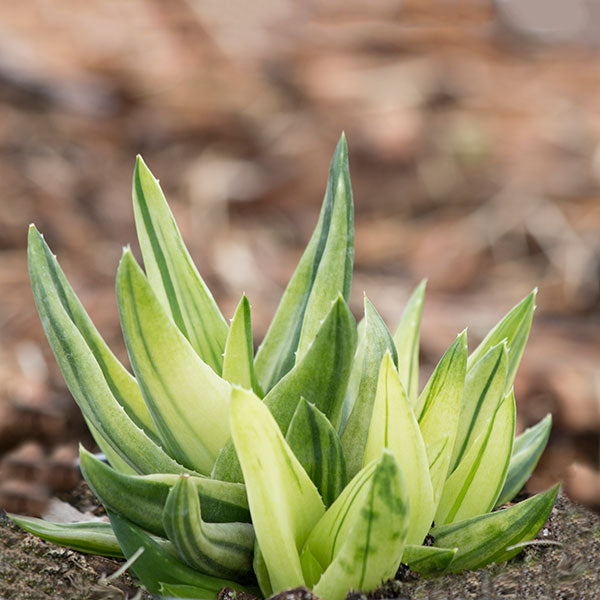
158,562
527,449
188,401
218,549
317,446
483,392
141,500
284,502
92,537
427,560
438,408
238,362
372,550
393,426
85,378
172,273
378,342
406,340
514,328
276,355
485,539
473,487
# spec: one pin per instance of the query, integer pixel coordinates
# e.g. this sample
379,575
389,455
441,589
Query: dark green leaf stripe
91,537
142,499
219,549
485,538
276,355
86,380
158,563
172,272
317,446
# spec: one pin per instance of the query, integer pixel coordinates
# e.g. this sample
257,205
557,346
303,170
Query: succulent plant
316,462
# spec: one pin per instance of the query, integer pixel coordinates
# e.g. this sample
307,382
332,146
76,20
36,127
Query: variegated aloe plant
316,462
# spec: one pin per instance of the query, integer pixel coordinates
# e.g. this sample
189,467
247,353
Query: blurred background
474,134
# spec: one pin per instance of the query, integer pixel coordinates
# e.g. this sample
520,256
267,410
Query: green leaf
277,353
427,560
378,341
438,408
188,401
320,377
483,392
527,449
84,376
238,362
173,590
473,487
284,502
141,500
158,563
91,537
172,273
484,539
514,328
372,549
219,549
260,570
317,446
394,426
406,340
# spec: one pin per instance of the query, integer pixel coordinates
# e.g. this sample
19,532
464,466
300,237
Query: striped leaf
473,487
238,362
483,392
406,340
394,426
320,377
527,449
141,500
91,537
327,247
427,560
317,446
438,408
188,401
378,341
84,376
218,549
514,328
172,273
484,539
372,549
158,563
284,503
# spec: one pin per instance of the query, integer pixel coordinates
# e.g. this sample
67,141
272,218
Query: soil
31,569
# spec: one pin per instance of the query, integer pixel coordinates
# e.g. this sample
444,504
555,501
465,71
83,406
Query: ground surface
31,569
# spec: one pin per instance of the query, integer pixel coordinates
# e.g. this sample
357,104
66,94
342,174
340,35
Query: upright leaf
527,449
483,392
172,273
514,328
393,426
406,340
474,486
438,408
317,446
188,401
85,378
485,539
372,550
378,341
277,353
284,502
238,361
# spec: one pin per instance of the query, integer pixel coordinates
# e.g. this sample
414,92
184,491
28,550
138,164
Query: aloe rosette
316,462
